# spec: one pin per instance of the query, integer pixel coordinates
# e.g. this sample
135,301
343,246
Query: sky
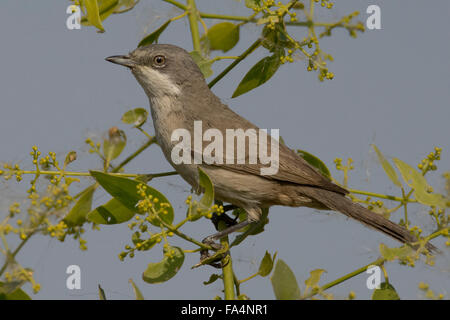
391,88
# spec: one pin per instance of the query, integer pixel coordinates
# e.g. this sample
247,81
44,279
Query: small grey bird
179,95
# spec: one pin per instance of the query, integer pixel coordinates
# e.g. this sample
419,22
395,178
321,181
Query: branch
344,278
255,45
227,269
193,23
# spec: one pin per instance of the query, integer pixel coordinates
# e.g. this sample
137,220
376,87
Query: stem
251,18
378,195
80,174
192,250
145,133
176,4
193,23
126,161
179,17
224,57
311,10
5,243
127,9
386,277
406,207
255,45
248,278
437,233
180,234
211,15
134,155
226,17
19,247
227,269
237,285
377,262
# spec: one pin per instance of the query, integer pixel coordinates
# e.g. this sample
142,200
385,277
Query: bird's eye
159,61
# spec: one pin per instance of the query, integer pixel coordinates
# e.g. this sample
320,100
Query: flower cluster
152,211
340,167
427,164
428,292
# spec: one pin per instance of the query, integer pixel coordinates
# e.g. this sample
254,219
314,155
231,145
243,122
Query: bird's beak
125,61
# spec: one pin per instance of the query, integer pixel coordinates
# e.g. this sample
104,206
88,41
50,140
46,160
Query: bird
179,96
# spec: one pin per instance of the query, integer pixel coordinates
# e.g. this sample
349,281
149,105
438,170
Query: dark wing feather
292,167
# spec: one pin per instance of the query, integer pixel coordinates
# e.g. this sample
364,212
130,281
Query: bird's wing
292,168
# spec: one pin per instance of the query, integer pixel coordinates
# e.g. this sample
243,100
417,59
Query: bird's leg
216,218
218,235
210,240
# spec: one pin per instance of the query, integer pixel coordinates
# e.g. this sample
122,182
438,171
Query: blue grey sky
391,88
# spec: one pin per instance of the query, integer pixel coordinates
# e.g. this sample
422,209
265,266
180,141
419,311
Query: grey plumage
179,95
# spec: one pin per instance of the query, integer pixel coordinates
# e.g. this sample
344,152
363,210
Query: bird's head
161,69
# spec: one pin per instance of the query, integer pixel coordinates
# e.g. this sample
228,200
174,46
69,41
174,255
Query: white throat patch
156,83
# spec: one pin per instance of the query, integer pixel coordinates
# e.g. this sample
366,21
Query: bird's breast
167,116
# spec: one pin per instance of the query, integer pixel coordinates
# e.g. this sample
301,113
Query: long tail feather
339,202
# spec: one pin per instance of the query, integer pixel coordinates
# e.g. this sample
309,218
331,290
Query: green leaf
253,228
274,40
266,265
105,9
165,269
206,183
137,293
417,181
77,215
391,254
203,64
387,167
101,293
241,214
386,292
125,5
259,74
70,157
315,162
136,117
298,6
8,292
197,208
223,36
314,278
114,145
112,212
146,244
154,36
253,3
125,191
284,283
93,14
212,279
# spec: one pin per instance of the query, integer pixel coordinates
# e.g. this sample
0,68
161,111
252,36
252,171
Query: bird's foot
218,259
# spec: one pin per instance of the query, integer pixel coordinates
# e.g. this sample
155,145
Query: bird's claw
217,259
210,241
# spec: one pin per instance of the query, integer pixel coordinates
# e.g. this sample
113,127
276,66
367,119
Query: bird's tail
339,202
